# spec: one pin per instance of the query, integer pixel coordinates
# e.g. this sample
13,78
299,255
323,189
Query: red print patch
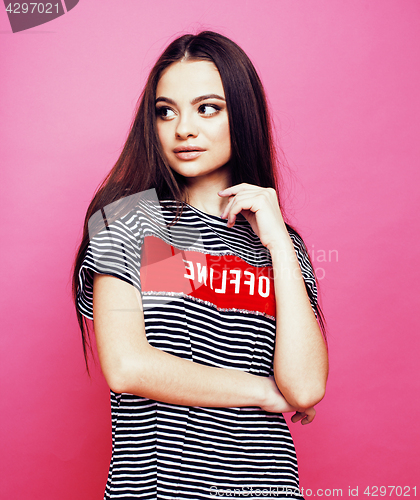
226,281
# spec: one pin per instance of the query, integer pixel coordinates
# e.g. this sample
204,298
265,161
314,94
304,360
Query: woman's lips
188,155
188,152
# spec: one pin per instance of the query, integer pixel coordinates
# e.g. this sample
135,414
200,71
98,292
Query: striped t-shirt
208,296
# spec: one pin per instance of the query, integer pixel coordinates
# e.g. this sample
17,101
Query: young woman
204,300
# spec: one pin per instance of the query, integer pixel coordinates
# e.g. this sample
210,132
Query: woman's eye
208,109
164,112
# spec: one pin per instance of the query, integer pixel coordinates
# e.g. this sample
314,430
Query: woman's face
192,120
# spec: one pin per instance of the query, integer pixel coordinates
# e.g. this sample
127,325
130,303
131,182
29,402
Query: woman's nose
186,127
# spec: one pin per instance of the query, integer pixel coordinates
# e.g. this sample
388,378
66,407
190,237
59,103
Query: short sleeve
306,269
115,250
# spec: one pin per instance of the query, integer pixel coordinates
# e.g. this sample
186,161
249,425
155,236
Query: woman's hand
259,206
306,416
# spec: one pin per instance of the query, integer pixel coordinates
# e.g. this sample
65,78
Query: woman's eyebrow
207,96
194,101
165,99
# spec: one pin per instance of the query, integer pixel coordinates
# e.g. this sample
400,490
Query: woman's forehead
190,78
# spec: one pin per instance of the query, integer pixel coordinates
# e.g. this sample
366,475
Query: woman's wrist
272,399
281,242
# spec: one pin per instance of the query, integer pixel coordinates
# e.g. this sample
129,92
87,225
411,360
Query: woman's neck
202,192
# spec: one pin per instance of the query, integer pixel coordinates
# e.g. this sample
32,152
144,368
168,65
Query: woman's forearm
131,365
300,358
164,377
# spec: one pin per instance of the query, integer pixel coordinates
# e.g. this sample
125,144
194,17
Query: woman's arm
131,365
300,357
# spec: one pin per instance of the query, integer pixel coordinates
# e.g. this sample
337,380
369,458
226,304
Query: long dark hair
142,165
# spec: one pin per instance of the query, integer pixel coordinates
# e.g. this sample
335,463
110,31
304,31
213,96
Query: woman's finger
240,189
233,190
297,416
306,417
236,206
249,200
227,207
310,415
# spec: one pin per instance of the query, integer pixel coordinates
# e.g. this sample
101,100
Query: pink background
343,82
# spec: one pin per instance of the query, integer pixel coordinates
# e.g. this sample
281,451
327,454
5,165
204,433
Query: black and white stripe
163,451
